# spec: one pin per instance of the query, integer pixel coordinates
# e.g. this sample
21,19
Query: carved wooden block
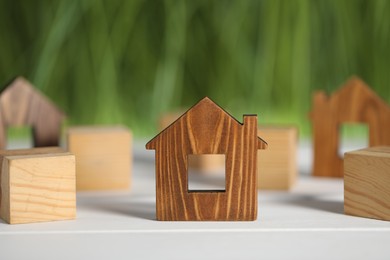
103,156
367,183
23,105
278,169
37,185
355,102
207,129
205,164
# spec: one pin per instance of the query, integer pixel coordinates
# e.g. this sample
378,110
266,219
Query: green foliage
128,61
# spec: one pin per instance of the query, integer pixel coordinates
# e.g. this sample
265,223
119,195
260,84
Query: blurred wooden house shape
354,102
23,105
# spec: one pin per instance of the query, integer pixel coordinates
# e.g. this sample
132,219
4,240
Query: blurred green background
129,61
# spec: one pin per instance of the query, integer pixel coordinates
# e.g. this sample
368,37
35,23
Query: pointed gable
350,102
356,89
21,103
205,119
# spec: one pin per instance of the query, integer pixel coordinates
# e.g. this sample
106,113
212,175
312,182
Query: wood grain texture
203,165
168,118
355,102
23,105
37,185
207,129
367,183
41,150
103,156
279,168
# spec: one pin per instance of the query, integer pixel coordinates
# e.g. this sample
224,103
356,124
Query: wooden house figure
355,102
207,129
23,105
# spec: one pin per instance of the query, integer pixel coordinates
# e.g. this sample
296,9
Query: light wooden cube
367,183
278,163
37,185
103,157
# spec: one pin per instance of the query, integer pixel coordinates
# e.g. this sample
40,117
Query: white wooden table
305,223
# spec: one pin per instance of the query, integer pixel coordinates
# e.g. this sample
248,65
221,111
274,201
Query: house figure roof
207,111
19,100
350,101
23,105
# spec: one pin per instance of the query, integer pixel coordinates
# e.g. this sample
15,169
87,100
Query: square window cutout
206,173
19,137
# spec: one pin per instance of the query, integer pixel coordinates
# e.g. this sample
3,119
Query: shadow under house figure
207,129
355,102
23,105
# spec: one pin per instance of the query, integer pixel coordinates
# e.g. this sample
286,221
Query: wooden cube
103,157
37,185
367,183
278,163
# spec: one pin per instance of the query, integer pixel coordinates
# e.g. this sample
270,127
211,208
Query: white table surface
304,223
